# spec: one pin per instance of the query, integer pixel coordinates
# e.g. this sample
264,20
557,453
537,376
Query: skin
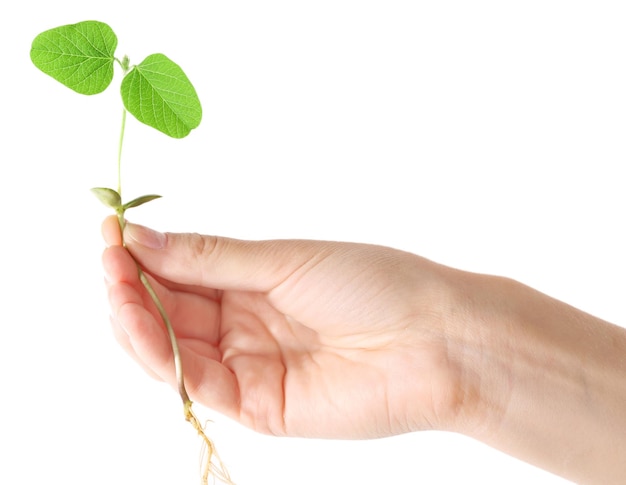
344,340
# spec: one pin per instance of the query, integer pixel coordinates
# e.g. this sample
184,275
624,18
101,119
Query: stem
178,363
119,153
125,65
213,465
170,331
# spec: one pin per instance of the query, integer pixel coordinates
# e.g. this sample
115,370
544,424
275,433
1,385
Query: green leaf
80,55
158,93
108,197
140,200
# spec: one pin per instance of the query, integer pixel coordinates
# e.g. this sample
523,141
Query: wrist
478,317
542,381
468,363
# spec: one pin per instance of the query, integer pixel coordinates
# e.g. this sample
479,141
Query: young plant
156,92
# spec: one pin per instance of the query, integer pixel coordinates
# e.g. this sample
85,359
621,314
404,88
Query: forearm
552,383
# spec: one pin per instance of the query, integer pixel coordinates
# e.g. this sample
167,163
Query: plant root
212,466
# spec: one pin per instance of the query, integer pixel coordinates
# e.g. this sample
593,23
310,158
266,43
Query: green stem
125,65
170,330
178,363
119,153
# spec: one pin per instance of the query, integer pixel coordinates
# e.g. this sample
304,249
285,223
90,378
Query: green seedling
157,93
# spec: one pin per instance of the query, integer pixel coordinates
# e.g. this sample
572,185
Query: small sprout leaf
79,55
139,201
158,93
108,197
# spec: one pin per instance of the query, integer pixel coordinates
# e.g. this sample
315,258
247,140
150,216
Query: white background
485,135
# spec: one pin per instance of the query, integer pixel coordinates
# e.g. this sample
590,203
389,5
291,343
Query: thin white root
212,466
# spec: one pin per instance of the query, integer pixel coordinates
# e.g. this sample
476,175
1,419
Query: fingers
145,339
111,231
217,262
135,327
124,341
140,332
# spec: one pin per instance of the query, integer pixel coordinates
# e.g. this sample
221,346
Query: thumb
217,262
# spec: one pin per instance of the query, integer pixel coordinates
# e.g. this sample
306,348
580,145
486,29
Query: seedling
156,92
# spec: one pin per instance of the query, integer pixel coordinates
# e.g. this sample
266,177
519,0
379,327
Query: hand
323,339
300,338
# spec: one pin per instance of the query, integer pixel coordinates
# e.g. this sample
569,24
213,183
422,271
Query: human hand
342,340
300,338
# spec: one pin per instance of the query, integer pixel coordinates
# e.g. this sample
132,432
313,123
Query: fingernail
144,236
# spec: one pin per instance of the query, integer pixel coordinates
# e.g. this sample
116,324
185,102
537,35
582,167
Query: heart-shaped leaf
158,93
79,55
108,197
